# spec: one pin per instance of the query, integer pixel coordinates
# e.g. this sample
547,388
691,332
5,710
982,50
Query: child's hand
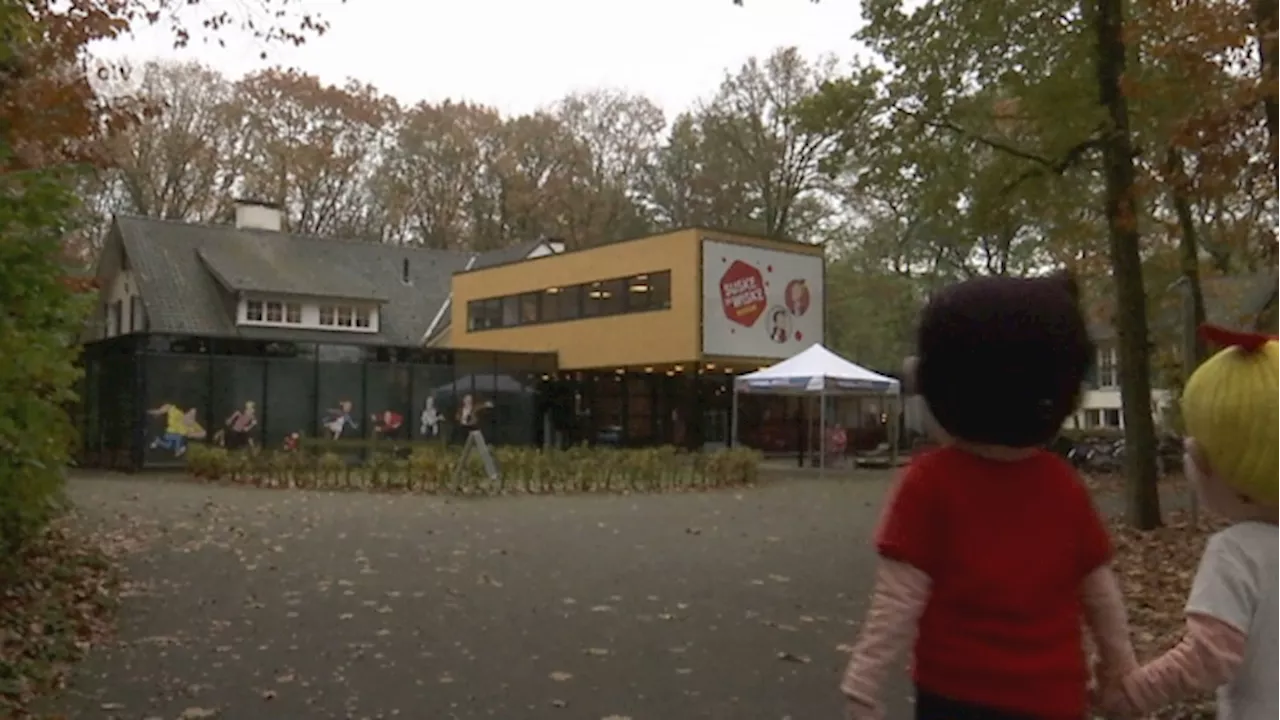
1111,699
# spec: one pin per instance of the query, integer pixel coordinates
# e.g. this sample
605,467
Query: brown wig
1001,361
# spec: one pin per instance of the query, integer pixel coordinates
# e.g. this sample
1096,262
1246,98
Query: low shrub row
431,468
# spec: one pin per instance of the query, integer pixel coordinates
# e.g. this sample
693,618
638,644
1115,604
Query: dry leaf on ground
1156,569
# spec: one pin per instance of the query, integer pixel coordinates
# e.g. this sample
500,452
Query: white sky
518,55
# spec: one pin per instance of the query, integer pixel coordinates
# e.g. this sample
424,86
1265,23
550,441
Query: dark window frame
530,308
571,302
569,305
510,308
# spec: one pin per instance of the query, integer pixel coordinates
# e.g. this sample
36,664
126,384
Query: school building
246,332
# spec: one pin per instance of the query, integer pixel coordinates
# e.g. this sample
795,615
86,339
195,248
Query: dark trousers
936,707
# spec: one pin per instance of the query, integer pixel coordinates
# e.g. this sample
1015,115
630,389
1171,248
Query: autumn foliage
54,132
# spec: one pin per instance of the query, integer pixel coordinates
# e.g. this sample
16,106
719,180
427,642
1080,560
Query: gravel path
266,604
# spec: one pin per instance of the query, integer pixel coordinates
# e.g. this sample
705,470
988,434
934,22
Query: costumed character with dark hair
992,555
1229,411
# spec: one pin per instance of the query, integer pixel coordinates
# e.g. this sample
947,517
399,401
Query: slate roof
1231,301
514,253
184,271
279,267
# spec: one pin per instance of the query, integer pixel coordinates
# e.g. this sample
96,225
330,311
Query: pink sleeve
897,600
1205,659
1108,623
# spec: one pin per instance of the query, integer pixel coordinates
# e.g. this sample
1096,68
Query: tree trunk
1141,493
1193,348
1264,18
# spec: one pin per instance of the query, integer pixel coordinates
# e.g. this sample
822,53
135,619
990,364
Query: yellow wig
1230,407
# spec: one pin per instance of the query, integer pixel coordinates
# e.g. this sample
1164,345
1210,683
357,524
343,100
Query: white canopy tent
818,372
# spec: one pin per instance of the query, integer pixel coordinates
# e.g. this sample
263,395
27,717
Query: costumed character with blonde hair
993,558
1229,411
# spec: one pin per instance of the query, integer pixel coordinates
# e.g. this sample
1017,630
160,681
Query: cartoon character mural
429,422
779,324
469,412
770,302
179,427
338,420
386,422
238,428
797,297
468,416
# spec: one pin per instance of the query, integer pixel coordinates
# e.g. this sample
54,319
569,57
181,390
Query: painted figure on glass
179,426
338,420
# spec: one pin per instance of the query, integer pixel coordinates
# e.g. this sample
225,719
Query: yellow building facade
671,303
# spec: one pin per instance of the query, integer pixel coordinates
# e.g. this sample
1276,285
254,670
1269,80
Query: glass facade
144,398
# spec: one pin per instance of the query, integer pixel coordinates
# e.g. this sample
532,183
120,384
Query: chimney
258,215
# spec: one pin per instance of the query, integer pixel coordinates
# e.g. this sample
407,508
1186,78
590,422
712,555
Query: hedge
430,468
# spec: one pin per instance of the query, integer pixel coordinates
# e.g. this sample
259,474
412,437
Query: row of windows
274,312
344,316
287,313
639,293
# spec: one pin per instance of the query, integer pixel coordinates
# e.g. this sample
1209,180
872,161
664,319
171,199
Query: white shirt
1236,583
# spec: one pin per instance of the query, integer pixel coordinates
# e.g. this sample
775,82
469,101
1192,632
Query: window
278,312
1092,418
117,317
511,311
137,315
327,315
529,308
569,303
346,316
364,318
550,305
1107,367
599,298
484,314
606,297
650,291
493,312
1111,417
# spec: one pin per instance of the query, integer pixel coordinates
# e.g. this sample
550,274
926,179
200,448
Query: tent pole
822,432
895,429
733,418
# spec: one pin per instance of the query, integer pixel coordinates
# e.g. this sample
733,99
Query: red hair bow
1223,337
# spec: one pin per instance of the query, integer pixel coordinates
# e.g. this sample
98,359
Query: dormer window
321,315
346,317
272,312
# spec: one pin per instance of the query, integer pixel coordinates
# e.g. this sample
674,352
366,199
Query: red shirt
1007,546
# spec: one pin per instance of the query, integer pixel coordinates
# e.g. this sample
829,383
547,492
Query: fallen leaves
56,604
1156,569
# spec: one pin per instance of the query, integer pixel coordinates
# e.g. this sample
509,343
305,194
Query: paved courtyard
265,604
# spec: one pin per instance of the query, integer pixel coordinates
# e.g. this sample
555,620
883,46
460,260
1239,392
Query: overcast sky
518,55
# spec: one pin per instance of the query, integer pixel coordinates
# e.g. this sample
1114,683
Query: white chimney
259,215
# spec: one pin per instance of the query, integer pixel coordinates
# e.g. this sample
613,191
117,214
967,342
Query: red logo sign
742,293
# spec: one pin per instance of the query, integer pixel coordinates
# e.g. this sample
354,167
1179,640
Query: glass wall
146,399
